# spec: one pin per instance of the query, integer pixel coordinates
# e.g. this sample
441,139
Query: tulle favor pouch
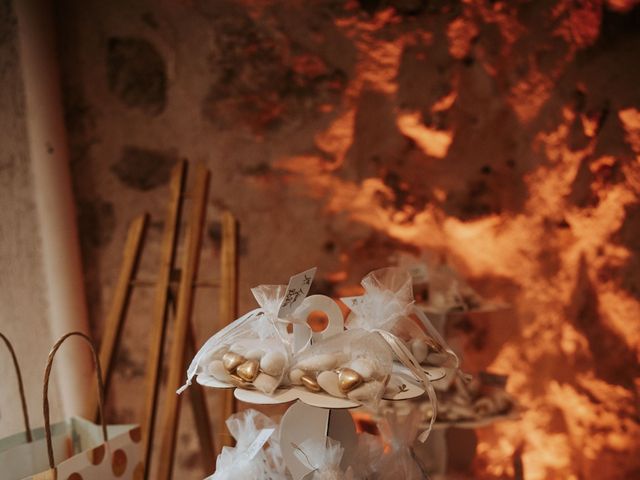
254,351
387,308
256,455
388,305
368,454
399,433
324,458
355,364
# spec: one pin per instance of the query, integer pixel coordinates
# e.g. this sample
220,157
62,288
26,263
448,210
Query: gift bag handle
45,395
23,398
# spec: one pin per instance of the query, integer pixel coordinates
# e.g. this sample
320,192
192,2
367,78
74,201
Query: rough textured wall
23,305
505,134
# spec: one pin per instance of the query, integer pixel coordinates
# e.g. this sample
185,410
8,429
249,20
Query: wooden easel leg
189,270
119,304
198,401
201,416
158,319
228,313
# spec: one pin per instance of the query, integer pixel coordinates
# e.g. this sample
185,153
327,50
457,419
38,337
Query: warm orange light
557,256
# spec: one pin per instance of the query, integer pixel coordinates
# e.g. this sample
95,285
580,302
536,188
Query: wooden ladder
174,294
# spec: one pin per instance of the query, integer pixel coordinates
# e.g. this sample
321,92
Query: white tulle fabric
347,349
387,307
367,457
236,463
260,327
324,459
388,304
399,433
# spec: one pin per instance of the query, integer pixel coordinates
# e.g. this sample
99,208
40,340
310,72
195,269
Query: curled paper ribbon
435,334
304,458
408,360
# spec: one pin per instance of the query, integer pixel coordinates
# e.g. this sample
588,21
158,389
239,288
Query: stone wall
504,135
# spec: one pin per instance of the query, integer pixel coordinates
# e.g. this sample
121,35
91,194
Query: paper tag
263,436
297,290
352,301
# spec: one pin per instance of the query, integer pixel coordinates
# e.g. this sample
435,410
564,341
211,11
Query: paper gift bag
25,453
13,447
81,453
78,449
6,444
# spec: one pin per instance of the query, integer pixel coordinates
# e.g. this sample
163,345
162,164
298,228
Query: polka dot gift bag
78,449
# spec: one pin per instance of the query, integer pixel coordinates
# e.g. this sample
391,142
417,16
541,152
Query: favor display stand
320,408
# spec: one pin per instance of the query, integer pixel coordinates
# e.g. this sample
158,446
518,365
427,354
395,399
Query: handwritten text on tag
263,437
297,290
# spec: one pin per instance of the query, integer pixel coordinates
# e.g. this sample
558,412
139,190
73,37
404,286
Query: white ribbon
405,357
435,334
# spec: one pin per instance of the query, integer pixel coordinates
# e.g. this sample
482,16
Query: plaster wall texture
23,304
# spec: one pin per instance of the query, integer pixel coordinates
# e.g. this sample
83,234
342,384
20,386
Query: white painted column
49,154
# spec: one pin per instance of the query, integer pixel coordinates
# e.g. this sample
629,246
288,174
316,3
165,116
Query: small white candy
216,369
363,366
328,381
324,361
366,392
273,363
419,349
253,355
295,376
265,383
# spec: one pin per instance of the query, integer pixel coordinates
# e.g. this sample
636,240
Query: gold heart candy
239,382
248,370
348,379
231,360
310,382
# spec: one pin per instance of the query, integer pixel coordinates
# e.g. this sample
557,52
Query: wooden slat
201,414
198,399
228,313
176,375
159,313
119,304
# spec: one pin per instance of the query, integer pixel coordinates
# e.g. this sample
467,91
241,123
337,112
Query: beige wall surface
23,304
